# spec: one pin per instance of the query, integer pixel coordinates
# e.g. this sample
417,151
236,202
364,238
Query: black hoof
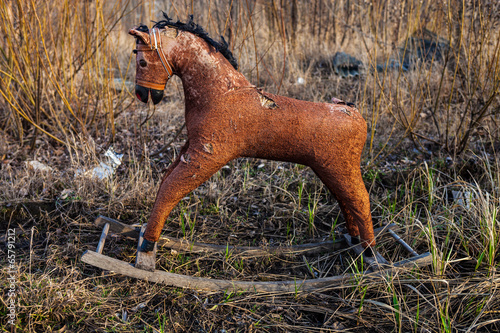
369,252
147,246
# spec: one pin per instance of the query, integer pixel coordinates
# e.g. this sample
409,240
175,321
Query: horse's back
276,127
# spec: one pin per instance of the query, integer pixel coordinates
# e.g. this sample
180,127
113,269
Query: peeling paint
169,32
185,158
334,108
347,112
267,102
207,147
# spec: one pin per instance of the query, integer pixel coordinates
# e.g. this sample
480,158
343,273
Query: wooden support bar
402,242
183,245
104,234
116,227
145,260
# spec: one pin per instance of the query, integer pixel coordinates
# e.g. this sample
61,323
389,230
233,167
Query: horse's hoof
147,246
369,252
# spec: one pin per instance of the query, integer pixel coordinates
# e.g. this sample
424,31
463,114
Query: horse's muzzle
143,93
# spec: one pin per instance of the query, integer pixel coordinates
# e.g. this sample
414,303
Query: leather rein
155,45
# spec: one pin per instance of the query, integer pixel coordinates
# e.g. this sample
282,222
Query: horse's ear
139,34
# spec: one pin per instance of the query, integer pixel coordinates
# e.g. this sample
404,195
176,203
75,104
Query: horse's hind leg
351,225
349,190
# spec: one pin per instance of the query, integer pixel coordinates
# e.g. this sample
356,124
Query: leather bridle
155,45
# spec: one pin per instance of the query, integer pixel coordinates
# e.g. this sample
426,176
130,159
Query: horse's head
153,68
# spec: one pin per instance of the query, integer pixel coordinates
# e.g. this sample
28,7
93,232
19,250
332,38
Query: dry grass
248,205
431,166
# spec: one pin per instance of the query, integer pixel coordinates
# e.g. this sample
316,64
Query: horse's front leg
194,166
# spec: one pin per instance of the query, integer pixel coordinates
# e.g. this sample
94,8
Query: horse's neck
205,73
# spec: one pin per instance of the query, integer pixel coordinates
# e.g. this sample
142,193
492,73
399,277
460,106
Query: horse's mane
196,29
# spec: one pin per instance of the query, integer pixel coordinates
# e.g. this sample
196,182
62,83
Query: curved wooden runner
199,283
104,262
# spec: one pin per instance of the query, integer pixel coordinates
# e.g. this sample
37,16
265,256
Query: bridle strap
155,40
151,85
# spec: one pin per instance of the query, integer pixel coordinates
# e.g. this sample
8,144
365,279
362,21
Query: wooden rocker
377,265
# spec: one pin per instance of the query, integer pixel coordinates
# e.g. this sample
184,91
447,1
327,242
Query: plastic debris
35,165
106,168
301,80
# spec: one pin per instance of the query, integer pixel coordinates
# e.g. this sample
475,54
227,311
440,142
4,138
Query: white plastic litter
301,80
106,168
35,165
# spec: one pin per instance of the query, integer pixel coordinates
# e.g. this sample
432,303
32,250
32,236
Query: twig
284,49
164,148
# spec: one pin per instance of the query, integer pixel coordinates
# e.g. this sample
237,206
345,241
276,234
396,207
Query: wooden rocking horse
226,118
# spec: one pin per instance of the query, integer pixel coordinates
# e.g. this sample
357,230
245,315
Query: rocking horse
227,118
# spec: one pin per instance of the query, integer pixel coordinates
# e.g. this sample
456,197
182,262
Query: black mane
196,29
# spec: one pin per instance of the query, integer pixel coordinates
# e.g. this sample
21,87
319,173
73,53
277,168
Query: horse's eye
143,63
